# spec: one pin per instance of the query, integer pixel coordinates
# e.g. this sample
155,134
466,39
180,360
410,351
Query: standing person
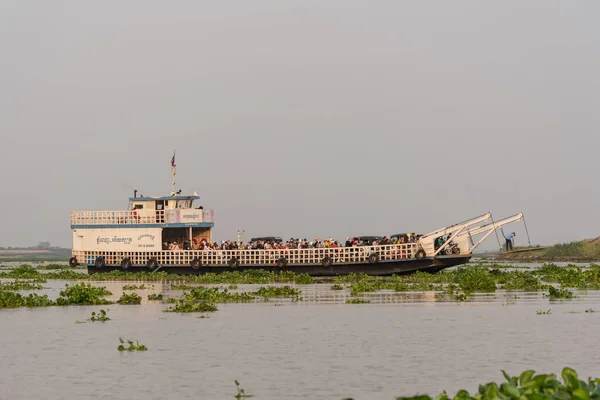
509,241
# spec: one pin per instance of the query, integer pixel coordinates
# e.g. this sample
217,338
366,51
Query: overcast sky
303,119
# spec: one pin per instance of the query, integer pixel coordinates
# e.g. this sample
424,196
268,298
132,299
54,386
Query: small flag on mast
173,160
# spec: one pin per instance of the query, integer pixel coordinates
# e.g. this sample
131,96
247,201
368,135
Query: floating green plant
357,301
22,272
183,306
528,386
20,285
53,267
228,277
591,310
241,393
14,300
155,296
542,312
130,298
554,293
134,287
335,286
278,291
100,317
216,295
11,300
83,294
175,286
132,347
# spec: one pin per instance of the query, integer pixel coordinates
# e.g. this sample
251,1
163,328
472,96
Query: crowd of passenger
293,243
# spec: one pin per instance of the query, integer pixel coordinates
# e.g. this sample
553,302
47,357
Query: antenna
173,172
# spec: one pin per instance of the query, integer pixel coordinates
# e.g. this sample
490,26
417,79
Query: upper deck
164,212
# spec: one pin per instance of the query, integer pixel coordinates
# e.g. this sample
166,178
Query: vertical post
173,172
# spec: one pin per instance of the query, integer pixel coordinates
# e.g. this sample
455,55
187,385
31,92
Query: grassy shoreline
569,252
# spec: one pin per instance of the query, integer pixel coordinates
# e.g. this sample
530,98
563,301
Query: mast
173,172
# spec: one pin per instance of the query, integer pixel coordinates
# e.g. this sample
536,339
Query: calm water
400,344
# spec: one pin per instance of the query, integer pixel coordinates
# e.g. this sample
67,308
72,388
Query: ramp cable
496,231
526,231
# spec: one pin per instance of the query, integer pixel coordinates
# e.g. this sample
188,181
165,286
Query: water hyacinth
83,294
528,386
130,298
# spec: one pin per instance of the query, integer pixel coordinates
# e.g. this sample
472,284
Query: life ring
234,262
99,262
420,254
373,258
152,264
282,262
195,264
125,264
73,262
326,261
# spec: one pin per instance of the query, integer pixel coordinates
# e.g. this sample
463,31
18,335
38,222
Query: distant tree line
40,246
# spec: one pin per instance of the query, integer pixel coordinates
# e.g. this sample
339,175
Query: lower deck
374,260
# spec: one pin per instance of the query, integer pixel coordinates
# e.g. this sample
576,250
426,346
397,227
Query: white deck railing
216,258
175,216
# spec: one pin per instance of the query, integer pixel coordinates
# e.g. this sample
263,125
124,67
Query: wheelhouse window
183,204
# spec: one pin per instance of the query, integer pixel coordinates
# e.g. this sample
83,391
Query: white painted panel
183,215
119,239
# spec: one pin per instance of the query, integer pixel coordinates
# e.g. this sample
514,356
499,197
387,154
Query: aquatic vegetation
241,393
100,317
452,293
357,301
20,285
186,306
337,287
24,271
134,287
83,294
591,310
278,291
216,295
11,300
66,275
172,300
53,266
474,279
228,277
28,272
130,298
232,287
155,296
528,386
554,293
132,347
517,280
175,286
542,312
14,300
303,279
35,300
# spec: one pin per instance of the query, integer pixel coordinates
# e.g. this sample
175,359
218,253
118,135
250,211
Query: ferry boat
132,240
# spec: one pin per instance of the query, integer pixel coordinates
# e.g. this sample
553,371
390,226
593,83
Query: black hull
401,267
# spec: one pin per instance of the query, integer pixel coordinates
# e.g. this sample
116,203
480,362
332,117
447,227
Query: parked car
368,240
272,239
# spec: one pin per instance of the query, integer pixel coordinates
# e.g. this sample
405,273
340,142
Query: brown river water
320,348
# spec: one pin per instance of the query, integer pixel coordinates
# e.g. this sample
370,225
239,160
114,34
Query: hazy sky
303,119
